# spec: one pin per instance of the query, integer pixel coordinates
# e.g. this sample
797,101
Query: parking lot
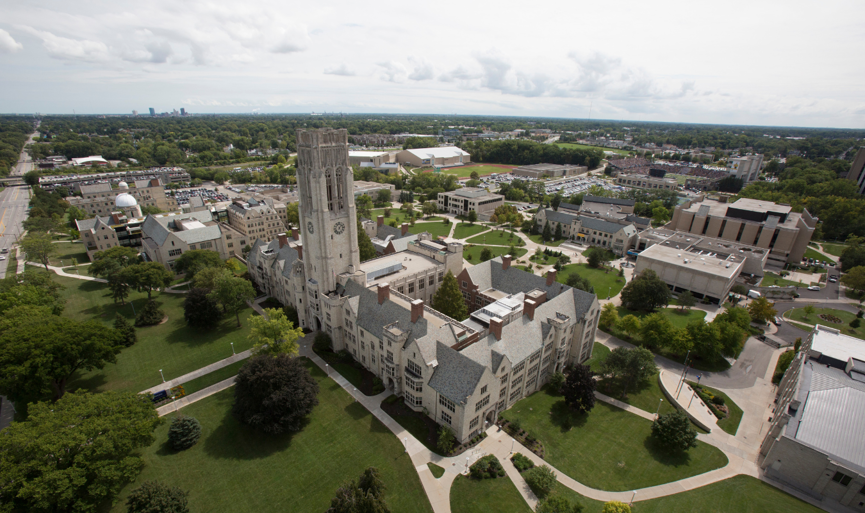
565,186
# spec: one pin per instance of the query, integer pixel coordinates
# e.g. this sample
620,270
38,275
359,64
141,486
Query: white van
753,294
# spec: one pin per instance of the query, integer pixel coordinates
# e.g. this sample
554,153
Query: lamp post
512,445
609,291
326,370
163,375
632,497
232,348
657,413
405,442
467,464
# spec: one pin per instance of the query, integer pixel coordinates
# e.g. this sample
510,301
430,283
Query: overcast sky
739,62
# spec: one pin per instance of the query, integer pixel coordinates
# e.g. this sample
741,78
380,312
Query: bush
521,462
718,400
487,467
125,331
150,315
855,323
155,497
446,440
541,480
674,432
556,381
558,504
784,361
616,507
377,386
184,432
322,342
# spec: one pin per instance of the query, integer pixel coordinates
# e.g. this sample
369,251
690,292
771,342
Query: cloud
71,49
156,52
8,43
459,73
294,40
393,71
423,70
342,70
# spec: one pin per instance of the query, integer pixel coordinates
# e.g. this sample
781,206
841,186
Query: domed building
126,203
123,185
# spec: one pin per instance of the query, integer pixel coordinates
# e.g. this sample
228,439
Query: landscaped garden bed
515,429
423,428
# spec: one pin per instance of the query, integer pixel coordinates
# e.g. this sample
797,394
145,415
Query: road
25,163
13,211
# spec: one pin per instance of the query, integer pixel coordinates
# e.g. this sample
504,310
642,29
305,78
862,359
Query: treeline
522,152
817,187
14,132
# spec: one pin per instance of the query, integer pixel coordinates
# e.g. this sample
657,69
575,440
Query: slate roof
373,317
89,224
610,201
593,223
285,256
158,227
199,235
569,206
456,376
558,217
641,221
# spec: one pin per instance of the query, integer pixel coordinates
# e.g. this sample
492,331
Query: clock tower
328,218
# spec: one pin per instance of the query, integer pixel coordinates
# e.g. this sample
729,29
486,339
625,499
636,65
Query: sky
755,62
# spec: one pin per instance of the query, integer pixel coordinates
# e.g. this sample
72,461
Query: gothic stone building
461,373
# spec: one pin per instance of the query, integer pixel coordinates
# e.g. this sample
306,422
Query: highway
25,163
13,211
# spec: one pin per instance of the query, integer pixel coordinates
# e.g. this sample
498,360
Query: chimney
529,309
294,234
416,310
154,182
283,240
506,262
496,327
299,249
551,277
379,220
404,228
383,292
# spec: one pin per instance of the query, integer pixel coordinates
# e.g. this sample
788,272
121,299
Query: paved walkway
195,396
686,399
198,373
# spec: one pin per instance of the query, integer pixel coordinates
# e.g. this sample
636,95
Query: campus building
460,372
647,182
617,235
746,168
759,223
167,236
857,170
387,239
257,220
467,199
99,198
815,443
538,171
440,156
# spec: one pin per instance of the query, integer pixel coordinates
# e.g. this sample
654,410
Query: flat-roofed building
759,223
372,188
647,182
746,168
100,198
815,440
537,171
462,201
439,156
600,205
369,158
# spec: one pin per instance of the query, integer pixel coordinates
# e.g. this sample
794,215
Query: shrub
516,425
556,381
521,462
558,504
184,432
446,440
125,331
321,343
616,507
150,315
718,400
784,361
674,432
487,467
156,497
377,386
541,480
855,323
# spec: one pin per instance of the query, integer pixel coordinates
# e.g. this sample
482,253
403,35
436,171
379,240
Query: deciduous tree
273,335
201,310
39,247
609,316
579,389
157,497
232,293
193,261
147,276
686,300
674,432
855,278
630,324
629,366
363,205
645,292
364,244
449,300
761,310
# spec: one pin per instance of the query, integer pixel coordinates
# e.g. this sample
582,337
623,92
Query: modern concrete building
538,171
617,235
167,236
815,442
759,223
372,188
857,170
647,182
439,156
462,201
461,373
369,158
747,168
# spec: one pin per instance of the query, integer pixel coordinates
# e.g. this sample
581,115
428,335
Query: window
411,287
390,355
842,478
533,371
517,381
504,379
483,402
230,244
447,403
441,277
503,391
535,357
400,289
432,280
417,386
479,300
531,382
465,285
413,367
515,394
446,417
412,400
519,368
474,423
484,390
420,284
174,252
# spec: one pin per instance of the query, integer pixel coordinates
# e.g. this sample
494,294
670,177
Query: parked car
814,288
777,321
833,280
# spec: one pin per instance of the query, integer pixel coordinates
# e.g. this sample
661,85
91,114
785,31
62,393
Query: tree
125,331
616,507
557,380
184,432
855,278
367,496
609,316
363,205
630,324
292,215
556,201
548,232
150,315
808,310
542,480
364,244
119,288
657,330
558,233
157,497
195,260
274,394
449,300
629,366
660,215
472,217
730,338
853,256
474,175
579,389
737,316
232,293
31,178
206,278
38,247
486,254
556,503
147,276
761,310
201,310
105,263
593,257
34,288
382,197
686,300
273,333
430,208
446,440
40,352
645,292
76,453
578,282
674,432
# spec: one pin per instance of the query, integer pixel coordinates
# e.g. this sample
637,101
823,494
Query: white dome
123,185
125,200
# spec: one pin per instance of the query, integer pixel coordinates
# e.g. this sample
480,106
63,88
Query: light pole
692,398
405,442
232,348
163,375
633,496
326,370
512,445
467,464
657,413
609,291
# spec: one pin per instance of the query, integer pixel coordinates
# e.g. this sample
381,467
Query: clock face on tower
309,227
338,228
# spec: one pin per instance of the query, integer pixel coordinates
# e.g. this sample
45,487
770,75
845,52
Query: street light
163,375
232,348
405,442
467,463
657,413
633,496
326,370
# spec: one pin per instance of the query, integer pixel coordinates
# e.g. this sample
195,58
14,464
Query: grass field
730,423
235,469
608,448
437,471
436,228
774,279
681,179
810,253
833,248
486,495
497,237
599,352
173,347
475,252
394,212
465,230
213,378
798,314
538,239
68,253
482,170
605,283
587,147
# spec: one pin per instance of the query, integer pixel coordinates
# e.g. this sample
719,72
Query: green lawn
738,494
599,352
68,253
538,239
437,471
607,448
475,252
213,378
465,230
466,171
587,147
605,283
833,248
497,237
436,229
235,469
173,347
774,279
394,212
486,495
798,314
680,179
646,396
730,423
810,253
242,266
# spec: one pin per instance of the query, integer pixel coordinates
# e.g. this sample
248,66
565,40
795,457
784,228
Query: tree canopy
645,292
232,293
273,335
193,261
449,300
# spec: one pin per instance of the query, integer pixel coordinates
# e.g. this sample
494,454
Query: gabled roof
456,376
611,201
373,317
558,217
89,224
593,223
199,235
569,207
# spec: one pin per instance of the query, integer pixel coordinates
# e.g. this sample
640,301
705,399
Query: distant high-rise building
134,112
857,170
182,111
152,111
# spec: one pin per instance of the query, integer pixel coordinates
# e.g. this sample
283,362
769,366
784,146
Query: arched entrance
390,383
317,324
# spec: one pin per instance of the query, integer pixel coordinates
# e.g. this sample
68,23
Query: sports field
482,170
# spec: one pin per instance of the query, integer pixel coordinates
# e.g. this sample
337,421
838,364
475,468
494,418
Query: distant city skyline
751,63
